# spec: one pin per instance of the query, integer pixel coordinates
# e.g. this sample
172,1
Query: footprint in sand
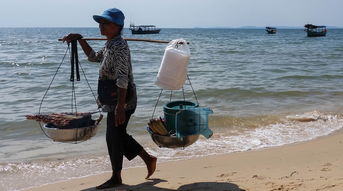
227,174
258,177
286,187
325,169
290,175
326,187
208,166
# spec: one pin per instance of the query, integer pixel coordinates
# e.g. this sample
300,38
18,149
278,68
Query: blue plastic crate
186,118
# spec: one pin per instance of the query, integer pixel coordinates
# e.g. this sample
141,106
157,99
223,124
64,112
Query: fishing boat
271,30
314,30
144,29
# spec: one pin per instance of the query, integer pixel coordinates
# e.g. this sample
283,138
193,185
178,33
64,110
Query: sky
173,13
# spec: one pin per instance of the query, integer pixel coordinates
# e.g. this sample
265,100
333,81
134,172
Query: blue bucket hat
113,15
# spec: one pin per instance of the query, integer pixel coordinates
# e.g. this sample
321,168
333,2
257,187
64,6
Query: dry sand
316,165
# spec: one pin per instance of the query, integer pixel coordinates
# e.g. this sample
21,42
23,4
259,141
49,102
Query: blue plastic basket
186,118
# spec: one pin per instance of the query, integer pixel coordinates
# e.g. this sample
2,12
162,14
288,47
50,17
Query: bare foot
109,184
151,166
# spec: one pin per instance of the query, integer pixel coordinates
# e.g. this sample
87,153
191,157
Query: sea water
258,86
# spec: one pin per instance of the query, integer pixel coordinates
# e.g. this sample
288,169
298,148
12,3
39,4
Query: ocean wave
242,136
238,93
319,77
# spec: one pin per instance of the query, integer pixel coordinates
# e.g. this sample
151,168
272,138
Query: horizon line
195,27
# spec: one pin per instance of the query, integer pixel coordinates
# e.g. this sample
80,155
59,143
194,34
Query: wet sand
308,166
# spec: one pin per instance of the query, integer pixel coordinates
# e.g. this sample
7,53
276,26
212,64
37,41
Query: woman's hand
72,36
119,115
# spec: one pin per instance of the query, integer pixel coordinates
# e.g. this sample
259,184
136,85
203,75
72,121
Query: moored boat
144,29
271,30
314,30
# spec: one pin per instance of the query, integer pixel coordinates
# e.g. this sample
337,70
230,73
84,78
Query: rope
84,74
89,86
195,95
75,64
171,95
53,78
158,99
74,61
46,92
73,98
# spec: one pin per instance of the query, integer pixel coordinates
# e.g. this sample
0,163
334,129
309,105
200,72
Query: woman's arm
85,47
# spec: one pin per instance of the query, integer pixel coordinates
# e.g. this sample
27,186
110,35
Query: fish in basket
68,127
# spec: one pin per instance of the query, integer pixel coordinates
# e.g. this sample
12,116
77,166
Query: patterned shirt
115,64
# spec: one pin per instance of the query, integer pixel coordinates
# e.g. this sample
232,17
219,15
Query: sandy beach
308,166
258,85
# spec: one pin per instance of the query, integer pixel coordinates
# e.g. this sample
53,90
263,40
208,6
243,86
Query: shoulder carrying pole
129,39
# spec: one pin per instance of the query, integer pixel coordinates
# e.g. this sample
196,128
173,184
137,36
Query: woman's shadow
199,186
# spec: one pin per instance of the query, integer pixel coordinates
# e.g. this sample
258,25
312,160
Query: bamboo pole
130,39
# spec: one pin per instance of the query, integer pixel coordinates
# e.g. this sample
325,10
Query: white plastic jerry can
173,69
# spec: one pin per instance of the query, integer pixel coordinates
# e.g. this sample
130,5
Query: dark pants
119,143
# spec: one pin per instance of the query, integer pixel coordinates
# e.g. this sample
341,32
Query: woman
116,93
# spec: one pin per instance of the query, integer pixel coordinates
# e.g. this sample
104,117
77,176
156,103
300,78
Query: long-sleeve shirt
115,64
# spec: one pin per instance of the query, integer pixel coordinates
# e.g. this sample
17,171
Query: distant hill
278,27
259,27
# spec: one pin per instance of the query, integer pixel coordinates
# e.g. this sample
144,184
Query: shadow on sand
199,186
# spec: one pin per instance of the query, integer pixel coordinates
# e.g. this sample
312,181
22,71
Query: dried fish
157,126
61,119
